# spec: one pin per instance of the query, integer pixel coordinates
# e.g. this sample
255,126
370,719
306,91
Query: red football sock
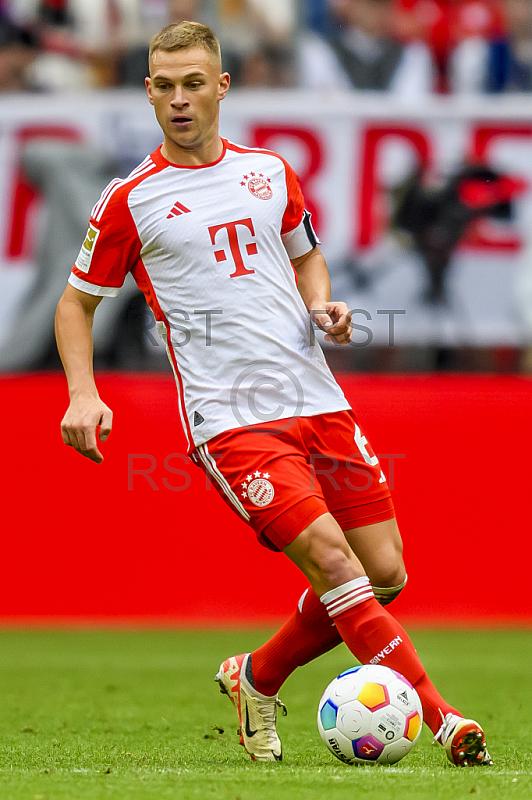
306,635
374,636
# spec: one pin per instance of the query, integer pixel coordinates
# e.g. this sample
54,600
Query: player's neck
207,153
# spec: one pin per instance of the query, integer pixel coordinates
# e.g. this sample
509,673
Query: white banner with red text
355,154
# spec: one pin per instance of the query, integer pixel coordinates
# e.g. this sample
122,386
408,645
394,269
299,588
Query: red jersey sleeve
111,247
295,204
297,232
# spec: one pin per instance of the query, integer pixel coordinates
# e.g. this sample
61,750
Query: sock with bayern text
375,637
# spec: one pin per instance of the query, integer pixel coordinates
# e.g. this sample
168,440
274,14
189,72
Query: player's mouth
181,121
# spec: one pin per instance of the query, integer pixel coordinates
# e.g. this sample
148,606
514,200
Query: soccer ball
370,714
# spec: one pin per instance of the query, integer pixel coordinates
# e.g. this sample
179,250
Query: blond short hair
182,35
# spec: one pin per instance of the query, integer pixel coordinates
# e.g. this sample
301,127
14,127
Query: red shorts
280,476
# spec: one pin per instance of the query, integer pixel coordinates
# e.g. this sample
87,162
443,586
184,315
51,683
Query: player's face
185,88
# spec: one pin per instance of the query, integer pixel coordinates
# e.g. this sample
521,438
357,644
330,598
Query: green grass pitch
127,715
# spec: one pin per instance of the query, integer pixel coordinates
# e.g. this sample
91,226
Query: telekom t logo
234,245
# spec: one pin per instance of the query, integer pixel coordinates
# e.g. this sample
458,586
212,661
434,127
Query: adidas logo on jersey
177,210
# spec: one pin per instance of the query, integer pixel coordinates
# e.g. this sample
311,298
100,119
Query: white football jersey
210,247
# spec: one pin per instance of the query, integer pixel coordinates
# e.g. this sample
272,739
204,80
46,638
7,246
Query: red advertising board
141,538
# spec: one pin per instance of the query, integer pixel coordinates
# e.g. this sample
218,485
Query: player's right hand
78,427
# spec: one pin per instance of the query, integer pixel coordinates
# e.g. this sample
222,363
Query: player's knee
334,564
390,578
387,568
331,566
387,594
324,556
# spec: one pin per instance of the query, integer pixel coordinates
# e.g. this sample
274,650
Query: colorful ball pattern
370,714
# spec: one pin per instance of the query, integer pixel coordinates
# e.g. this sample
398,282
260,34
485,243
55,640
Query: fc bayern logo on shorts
259,490
258,185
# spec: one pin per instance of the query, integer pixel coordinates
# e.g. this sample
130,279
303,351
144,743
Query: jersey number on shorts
361,442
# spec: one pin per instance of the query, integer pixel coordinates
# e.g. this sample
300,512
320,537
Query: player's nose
179,99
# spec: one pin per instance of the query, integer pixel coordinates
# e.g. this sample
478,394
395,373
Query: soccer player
218,235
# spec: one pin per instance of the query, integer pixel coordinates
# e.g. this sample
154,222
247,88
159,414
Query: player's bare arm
86,412
315,288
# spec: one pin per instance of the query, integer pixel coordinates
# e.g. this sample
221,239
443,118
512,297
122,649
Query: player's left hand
336,322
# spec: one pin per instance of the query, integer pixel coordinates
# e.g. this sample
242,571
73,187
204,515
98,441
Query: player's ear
223,86
147,81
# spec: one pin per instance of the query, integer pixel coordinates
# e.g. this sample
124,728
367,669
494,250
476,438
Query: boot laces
442,733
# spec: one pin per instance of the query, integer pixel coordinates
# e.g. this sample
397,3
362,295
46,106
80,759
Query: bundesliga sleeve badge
84,258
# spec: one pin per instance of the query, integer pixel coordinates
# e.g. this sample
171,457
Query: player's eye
195,84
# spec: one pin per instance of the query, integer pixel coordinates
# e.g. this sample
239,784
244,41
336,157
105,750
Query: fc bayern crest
258,185
259,490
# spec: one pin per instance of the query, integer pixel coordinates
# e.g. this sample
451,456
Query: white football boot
463,741
257,713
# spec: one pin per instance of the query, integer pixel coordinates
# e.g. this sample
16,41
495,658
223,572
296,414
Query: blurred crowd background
417,170
405,46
